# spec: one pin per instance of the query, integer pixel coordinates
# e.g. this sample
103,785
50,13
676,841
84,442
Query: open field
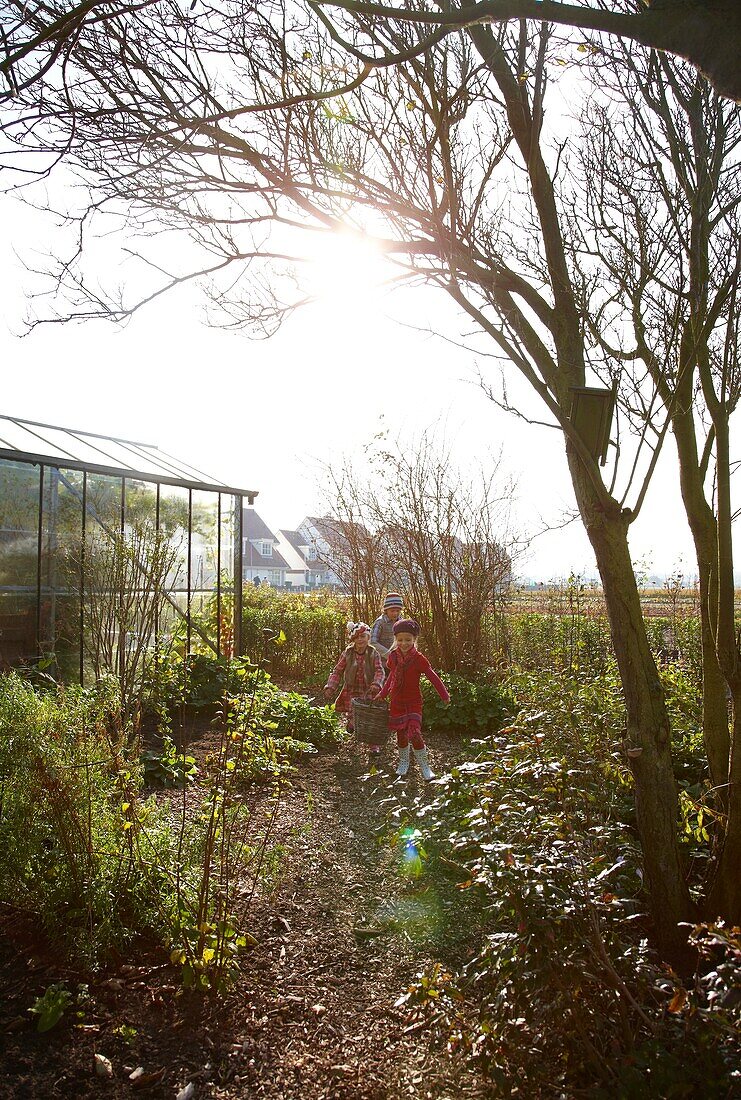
656,602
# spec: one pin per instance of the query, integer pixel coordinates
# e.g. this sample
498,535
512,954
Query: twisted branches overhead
706,33
40,36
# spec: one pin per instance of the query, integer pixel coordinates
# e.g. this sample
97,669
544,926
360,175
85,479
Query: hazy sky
262,414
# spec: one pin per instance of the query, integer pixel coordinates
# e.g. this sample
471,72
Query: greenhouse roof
49,445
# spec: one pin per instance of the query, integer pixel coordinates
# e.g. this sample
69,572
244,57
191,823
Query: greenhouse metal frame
56,480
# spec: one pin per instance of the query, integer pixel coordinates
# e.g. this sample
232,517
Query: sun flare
345,268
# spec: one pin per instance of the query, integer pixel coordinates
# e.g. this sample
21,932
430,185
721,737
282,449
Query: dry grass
565,600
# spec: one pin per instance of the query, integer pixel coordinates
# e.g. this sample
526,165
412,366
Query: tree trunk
648,738
725,895
705,32
724,899
705,536
715,730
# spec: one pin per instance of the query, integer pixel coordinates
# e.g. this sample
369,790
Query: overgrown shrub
198,681
312,623
315,636
97,863
205,682
227,845
294,716
569,632
166,767
476,707
567,642
66,841
550,981
580,642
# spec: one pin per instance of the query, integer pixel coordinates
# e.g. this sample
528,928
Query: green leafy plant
477,707
167,766
207,953
219,846
51,1006
71,816
126,1032
197,681
294,716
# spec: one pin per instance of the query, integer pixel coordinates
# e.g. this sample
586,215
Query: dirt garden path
339,940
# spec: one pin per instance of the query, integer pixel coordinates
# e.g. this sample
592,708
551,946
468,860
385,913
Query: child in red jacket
406,665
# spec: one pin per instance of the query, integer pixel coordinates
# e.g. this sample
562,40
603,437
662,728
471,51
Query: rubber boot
420,755
403,766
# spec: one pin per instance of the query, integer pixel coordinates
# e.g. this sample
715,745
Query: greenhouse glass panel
56,443
100,575
19,535
227,543
15,437
103,507
174,512
48,560
68,591
141,503
204,580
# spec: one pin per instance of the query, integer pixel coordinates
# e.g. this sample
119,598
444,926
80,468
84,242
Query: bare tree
356,554
704,32
662,183
417,523
124,581
43,37
42,40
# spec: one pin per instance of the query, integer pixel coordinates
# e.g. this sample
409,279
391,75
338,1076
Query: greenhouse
108,545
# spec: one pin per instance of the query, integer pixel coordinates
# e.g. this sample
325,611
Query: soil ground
341,933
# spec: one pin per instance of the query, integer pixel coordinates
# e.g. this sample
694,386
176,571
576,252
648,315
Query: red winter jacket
402,684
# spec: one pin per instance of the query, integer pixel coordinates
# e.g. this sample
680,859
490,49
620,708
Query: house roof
252,559
332,530
295,538
255,527
288,547
40,444
325,532
323,525
296,541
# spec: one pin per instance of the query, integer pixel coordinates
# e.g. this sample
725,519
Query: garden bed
312,1014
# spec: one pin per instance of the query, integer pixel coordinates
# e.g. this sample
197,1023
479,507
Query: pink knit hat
355,630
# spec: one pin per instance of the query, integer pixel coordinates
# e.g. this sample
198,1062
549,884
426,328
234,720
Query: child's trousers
411,732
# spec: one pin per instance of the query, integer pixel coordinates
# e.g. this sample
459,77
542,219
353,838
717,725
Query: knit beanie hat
406,626
355,630
393,599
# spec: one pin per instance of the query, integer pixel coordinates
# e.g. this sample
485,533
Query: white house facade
316,533
262,562
286,558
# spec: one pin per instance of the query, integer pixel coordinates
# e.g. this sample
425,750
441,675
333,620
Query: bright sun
344,268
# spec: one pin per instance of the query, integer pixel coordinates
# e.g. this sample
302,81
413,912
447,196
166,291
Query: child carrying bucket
406,665
359,671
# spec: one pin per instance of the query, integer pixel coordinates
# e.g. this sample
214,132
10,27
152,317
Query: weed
51,1006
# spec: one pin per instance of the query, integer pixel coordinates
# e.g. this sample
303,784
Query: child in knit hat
382,632
360,672
406,665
